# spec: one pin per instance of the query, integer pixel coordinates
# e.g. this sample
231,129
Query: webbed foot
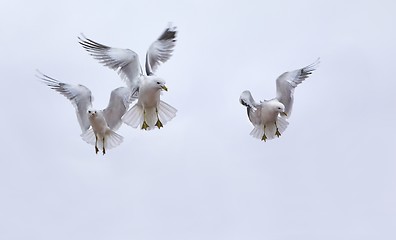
277,133
96,149
145,125
264,138
159,124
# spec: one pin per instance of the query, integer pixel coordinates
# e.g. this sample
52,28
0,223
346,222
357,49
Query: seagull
149,111
98,126
269,117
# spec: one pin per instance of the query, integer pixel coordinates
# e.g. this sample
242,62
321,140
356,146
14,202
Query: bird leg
264,138
159,123
96,145
144,125
103,149
277,133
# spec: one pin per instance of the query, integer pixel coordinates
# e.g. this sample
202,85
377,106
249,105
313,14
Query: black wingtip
169,33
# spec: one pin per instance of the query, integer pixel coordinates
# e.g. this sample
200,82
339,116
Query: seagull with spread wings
98,126
149,111
269,117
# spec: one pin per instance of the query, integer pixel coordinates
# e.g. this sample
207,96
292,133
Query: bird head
92,113
279,107
159,83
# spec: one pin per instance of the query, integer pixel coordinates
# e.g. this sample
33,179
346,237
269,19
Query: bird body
267,111
269,117
97,126
150,91
100,134
265,117
149,111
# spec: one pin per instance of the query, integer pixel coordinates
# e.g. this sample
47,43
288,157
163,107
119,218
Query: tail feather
134,116
112,139
257,132
270,129
282,124
89,136
166,112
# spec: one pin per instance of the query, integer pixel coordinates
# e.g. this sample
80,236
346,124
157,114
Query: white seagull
269,116
98,127
149,111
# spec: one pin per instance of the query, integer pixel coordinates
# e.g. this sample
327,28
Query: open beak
164,88
284,114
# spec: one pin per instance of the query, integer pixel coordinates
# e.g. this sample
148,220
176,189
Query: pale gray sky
330,176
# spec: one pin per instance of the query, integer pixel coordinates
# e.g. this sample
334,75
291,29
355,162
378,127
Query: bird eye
158,83
89,111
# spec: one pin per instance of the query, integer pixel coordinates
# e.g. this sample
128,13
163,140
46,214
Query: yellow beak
164,88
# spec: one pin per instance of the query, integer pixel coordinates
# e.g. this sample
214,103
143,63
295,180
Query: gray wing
120,99
288,81
124,61
161,50
246,99
79,95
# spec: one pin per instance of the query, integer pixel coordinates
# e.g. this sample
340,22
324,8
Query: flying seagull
269,117
149,111
98,126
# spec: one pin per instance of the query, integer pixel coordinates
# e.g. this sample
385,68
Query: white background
331,175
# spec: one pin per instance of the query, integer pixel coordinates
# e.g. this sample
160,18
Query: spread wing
161,50
288,81
246,99
120,99
79,95
124,61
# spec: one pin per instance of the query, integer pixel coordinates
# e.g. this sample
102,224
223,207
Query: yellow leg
144,125
264,138
277,133
159,123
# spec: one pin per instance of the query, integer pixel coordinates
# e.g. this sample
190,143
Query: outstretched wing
161,50
288,81
246,99
120,99
79,95
124,61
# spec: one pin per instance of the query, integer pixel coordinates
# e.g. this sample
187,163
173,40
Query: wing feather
161,50
120,99
124,61
288,81
79,95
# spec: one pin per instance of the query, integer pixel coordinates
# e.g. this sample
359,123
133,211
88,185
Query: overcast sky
330,176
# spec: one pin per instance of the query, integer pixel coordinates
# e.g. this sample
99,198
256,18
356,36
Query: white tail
166,112
270,129
89,136
112,139
135,116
